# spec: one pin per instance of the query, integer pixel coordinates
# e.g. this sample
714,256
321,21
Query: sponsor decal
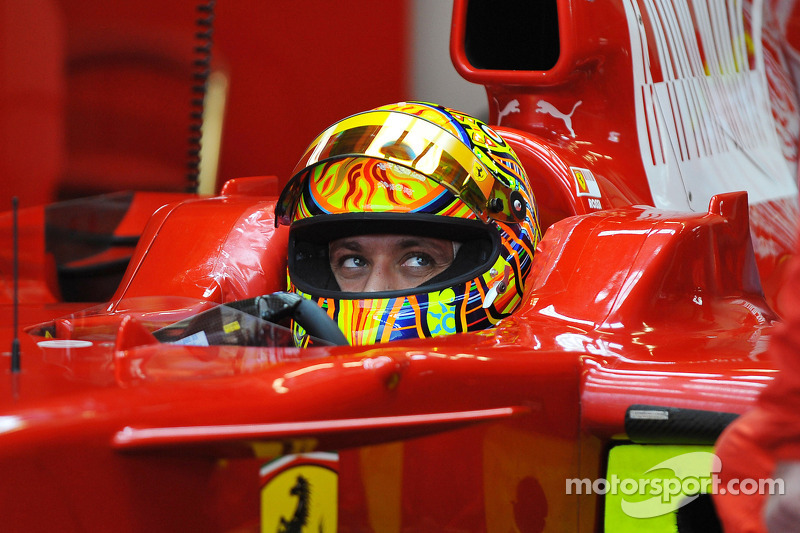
585,184
300,493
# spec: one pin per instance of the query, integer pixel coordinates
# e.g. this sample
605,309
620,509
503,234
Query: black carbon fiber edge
653,424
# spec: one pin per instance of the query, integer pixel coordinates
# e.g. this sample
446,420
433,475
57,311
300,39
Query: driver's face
371,263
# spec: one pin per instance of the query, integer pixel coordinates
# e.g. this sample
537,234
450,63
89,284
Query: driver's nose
381,278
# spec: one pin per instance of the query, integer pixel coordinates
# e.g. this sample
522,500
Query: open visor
415,143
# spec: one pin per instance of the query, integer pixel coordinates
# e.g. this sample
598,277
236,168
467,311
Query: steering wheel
307,314
227,323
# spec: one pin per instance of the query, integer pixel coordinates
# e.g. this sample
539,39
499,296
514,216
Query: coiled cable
202,70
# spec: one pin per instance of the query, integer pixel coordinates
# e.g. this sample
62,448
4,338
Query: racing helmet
412,168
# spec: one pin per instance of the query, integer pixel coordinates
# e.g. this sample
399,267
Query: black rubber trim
653,424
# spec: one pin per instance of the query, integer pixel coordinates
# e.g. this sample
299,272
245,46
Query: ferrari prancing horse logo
586,185
299,493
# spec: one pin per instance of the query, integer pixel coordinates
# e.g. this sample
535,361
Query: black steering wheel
307,314
235,323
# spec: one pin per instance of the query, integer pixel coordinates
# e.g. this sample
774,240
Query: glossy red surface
127,411
107,429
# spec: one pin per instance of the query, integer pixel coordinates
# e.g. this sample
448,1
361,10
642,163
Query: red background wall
112,84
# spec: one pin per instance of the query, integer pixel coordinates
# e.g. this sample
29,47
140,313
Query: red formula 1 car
660,139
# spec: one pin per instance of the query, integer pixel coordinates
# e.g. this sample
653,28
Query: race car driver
409,220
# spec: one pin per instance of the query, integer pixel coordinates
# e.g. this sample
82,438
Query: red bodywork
628,304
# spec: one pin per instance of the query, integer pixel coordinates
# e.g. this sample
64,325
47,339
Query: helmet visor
412,142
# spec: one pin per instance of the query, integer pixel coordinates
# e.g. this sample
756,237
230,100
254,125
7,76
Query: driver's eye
418,260
353,262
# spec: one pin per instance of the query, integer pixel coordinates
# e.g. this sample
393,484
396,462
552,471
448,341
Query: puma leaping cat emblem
546,107
511,107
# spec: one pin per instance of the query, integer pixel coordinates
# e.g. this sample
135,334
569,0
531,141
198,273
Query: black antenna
15,363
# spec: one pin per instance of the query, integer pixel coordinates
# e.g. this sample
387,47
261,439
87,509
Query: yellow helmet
421,169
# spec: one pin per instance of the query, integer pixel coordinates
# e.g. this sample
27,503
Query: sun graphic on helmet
409,220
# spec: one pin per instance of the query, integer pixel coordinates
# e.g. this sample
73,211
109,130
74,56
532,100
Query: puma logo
546,107
511,107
